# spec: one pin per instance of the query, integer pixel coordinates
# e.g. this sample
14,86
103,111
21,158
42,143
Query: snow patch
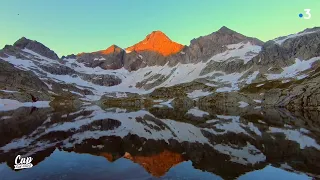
7,91
197,112
294,69
252,77
198,93
167,103
73,92
257,101
99,59
243,104
243,51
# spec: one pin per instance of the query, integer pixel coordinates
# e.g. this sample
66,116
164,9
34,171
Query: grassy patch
179,90
267,85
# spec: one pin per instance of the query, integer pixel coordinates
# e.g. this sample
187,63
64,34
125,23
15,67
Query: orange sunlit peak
158,164
159,42
112,49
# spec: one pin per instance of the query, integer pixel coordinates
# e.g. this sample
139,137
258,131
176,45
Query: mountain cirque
222,68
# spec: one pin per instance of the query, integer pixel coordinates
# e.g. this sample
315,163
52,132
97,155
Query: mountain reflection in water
165,143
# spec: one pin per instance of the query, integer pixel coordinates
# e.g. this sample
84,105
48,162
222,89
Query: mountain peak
226,30
158,42
23,42
112,49
159,35
35,46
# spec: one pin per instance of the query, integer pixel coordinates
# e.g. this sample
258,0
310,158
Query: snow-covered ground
181,73
294,70
243,51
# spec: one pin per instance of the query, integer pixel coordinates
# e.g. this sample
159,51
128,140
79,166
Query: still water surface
160,143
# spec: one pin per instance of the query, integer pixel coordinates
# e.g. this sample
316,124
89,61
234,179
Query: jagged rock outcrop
301,94
136,60
102,80
22,83
224,54
36,47
71,56
110,58
158,49
58,69
282,51
229,67
200,49
203,48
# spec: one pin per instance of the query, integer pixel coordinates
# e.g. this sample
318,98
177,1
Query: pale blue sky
73,26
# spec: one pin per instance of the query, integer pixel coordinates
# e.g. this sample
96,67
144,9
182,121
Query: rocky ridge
281,72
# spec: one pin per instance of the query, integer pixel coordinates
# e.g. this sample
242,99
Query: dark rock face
302,94
36,47
71,56
23,81
302,47
134,60
58,69
202,48
273,55
9,50
111,58
230,67
102,80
